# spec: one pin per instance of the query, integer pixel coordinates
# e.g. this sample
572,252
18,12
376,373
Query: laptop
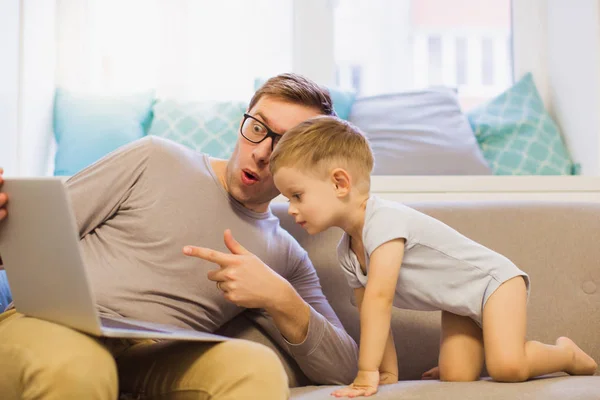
39,244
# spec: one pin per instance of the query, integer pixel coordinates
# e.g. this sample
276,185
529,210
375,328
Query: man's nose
262,151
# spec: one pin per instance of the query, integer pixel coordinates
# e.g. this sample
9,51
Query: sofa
556,243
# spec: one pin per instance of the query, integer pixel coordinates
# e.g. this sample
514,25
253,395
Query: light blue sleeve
5,295
346,265
382,225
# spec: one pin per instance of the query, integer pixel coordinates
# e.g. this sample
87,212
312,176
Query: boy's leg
461,349
46,361
235,369
508,356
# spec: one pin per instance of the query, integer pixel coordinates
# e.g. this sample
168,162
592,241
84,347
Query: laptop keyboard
118,324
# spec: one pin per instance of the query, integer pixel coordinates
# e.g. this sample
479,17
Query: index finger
208,254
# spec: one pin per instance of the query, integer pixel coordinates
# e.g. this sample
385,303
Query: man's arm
97,192
305,324
296,313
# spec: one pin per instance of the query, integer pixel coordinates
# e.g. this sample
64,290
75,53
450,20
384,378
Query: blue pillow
518,136
210,127
342,99
87,127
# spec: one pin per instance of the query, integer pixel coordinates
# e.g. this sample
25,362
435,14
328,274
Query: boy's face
312,200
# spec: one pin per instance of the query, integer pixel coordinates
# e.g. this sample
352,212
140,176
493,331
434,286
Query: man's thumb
233,244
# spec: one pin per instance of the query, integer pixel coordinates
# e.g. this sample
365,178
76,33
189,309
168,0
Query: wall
9,84
37,77
28,49
559,42
574,77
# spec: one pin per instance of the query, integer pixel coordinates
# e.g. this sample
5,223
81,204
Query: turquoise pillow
518,136
210,127
342,99
87,127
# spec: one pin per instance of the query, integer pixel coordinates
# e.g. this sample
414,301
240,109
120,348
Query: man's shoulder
160,145
169,154
285,243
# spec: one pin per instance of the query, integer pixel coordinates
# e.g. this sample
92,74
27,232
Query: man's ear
342,182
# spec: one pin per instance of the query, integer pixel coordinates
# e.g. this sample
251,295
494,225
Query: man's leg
235,369
45,361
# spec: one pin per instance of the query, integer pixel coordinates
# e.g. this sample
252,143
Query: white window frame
562,64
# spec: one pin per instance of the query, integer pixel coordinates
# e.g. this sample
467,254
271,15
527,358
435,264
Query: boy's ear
342,182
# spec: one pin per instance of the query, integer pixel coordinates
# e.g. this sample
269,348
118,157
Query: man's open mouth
249,176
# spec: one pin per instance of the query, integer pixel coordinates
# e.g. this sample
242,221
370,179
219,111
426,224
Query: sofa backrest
557,244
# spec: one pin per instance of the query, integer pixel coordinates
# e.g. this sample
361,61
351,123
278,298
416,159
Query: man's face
248,177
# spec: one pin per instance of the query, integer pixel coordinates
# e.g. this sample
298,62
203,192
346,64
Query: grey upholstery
557,244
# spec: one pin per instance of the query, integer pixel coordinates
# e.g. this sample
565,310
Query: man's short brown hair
322,143
296,89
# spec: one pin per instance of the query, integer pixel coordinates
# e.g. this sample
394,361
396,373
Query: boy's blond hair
322,143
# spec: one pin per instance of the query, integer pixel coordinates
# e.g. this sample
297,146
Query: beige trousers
45,361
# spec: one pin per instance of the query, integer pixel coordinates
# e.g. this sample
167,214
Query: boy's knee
508,370
458,375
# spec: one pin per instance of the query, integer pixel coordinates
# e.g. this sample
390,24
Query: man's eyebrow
262,116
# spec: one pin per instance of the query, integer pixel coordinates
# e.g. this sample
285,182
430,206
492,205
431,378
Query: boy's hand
433,373
387,378
365,384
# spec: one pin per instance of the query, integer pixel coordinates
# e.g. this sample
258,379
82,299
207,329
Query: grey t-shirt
441,268
138,207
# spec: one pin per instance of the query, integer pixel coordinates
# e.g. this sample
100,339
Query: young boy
391,253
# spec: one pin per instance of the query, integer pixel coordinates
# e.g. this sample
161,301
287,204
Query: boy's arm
376,308
388,370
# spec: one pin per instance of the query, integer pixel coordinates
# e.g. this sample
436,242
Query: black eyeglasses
256,131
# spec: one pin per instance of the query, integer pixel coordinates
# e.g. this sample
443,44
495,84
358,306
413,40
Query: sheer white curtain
184,49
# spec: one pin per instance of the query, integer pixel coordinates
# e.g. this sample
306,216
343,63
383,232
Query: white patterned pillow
210,127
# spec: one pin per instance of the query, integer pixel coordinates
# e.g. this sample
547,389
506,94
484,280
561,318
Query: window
461,61
206,49
412,44
434,63
349,76
487,62
187,49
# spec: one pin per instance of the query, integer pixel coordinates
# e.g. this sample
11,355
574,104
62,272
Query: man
136,209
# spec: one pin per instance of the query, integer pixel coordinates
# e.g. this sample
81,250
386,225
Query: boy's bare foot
582,363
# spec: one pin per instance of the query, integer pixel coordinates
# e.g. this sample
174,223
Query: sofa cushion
553,242
210,127
87,127
419,133
547,388
518,136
